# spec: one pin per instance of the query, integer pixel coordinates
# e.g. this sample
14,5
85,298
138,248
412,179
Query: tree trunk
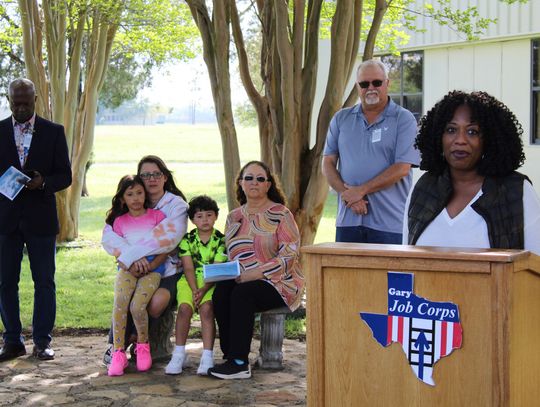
345,28
102,35
310,189
74,108
259,102
289,57
84,192
54,13
62,208
215,37
32,29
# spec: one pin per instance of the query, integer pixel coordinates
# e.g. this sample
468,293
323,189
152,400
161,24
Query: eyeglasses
251,178
148,175
365,84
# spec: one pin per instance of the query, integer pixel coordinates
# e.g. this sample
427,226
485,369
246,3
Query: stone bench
159,332
272,325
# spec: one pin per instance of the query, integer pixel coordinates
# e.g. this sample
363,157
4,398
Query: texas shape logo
426,330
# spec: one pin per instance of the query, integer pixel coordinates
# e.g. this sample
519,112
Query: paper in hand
221,271
11,182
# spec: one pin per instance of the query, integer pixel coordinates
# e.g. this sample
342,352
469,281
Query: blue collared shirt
364,151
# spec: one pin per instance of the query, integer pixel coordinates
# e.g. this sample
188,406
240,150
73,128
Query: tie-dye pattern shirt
134,228
268,241
162,239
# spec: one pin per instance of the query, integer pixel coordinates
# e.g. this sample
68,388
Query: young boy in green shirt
203,245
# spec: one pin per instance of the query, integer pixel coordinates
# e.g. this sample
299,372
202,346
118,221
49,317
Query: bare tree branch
380,10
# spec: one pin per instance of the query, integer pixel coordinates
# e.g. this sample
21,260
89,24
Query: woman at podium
471,194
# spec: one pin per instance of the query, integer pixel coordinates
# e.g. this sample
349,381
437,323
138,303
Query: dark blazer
35,211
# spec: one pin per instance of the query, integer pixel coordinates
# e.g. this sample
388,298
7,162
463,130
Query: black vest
501,206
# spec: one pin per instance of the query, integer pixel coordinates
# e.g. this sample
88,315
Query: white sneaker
206,363
177,362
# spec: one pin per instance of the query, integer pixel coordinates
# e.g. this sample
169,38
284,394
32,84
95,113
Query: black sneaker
230,370
132,352
107,356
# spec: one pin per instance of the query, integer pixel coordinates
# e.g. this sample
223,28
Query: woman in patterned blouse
262,235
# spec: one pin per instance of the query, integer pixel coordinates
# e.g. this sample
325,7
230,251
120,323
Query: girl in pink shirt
131,219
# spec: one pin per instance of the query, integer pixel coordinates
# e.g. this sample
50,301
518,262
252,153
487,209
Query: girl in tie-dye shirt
131,219
163,194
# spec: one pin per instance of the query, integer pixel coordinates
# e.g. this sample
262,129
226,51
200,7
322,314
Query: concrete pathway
77,378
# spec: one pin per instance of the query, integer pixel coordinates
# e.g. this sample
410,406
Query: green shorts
185,295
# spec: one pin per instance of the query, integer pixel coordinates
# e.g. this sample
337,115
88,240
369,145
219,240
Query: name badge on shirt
376,135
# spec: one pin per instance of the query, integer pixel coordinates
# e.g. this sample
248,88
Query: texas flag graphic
426,330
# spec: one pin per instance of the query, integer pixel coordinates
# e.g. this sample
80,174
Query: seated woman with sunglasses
165,196
262,235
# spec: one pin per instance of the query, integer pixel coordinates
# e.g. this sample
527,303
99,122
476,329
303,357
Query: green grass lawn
85,273
171,142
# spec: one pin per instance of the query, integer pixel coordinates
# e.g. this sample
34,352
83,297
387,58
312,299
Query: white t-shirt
469,229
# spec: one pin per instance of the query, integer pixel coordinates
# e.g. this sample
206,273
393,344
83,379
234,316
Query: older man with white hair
367,160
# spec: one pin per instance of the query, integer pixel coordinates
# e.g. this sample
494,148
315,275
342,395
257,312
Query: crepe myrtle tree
287,61
67,46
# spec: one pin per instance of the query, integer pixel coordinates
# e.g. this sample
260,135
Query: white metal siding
513,20
486,71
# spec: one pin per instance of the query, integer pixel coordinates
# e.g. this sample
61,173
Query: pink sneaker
144,358
118,363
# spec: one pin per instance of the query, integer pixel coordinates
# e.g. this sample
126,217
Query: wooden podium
498,296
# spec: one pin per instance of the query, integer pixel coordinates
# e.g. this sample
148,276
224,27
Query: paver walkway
77,378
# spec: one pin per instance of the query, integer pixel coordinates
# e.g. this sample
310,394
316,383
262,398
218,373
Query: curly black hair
275,194
501,133
202,203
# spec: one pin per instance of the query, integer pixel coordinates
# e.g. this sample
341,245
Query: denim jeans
362,234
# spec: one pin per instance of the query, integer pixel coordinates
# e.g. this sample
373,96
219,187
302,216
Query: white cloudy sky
178,85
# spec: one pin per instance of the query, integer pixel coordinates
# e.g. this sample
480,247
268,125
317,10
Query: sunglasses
377,83
148,175
251,178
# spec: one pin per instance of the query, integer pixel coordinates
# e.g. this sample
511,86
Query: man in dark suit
38,148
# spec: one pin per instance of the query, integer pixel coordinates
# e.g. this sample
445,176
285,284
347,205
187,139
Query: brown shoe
11,351
43,353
